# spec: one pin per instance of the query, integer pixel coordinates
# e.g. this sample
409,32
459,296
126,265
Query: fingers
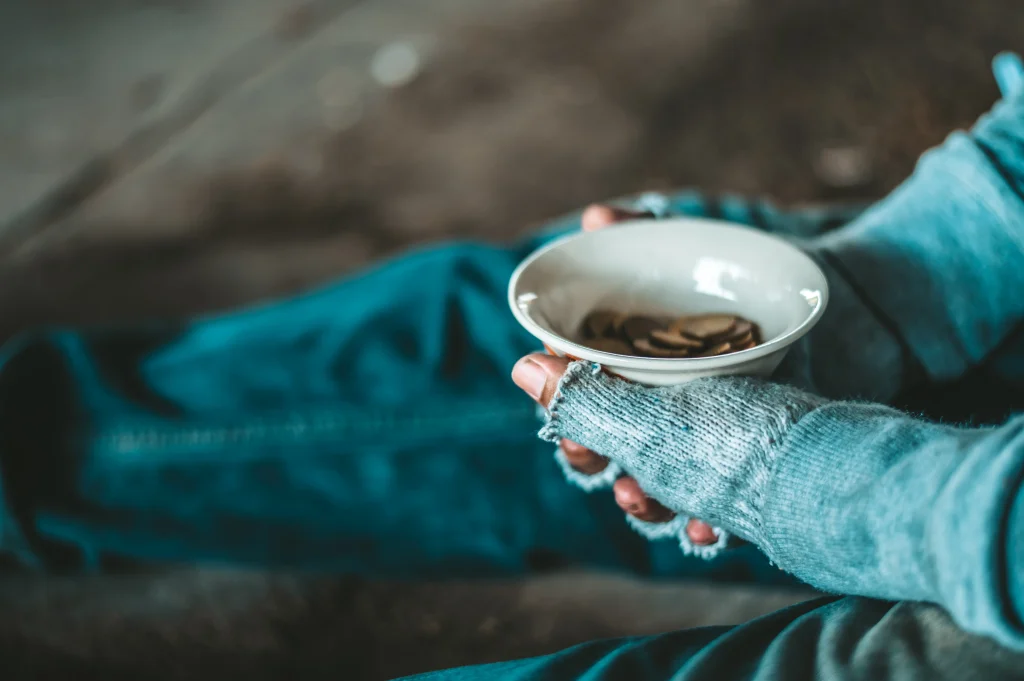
538,374
584,460
633,501
599,216
700,533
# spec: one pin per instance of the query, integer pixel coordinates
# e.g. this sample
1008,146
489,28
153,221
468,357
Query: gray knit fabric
703,449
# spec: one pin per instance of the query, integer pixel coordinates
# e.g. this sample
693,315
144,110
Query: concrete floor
108,114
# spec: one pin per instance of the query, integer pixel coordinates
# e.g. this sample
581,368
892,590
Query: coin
740,329
612,345
756,333
705,326
599,323
703,335
719,349
648,348
638,327
671,339
617,323
748,337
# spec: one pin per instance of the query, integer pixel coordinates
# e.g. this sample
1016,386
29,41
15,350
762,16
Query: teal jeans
371,427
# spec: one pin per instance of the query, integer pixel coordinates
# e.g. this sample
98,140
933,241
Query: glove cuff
704,449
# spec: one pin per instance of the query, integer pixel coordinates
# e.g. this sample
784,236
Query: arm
865,500
853,498
941,261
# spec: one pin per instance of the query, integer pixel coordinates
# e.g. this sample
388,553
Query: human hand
628,494
703,449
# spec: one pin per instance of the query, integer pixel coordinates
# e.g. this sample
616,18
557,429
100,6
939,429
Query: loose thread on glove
549,431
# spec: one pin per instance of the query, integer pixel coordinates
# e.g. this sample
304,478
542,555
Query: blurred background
170,157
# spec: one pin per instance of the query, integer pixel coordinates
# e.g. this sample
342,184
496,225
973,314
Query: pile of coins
706,335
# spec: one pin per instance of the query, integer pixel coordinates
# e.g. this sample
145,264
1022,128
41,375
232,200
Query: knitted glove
705,449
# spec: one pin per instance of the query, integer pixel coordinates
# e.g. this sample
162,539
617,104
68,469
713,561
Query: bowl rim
578,351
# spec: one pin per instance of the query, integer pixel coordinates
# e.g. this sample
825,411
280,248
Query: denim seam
292,428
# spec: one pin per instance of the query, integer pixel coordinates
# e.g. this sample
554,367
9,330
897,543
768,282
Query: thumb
538,374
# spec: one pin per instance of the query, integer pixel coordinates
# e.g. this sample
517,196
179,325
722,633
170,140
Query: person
370,427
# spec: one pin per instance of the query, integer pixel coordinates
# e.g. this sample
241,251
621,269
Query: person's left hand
628,494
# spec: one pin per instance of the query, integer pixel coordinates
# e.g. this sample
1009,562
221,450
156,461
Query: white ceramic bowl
670,267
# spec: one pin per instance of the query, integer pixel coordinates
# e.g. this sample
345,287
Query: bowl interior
669,267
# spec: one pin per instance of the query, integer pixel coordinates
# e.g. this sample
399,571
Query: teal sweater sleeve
904,509
853,498
858,498
941,260
865,500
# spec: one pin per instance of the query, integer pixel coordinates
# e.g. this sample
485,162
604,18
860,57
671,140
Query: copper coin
599,323
756,333
705,326
617,323
748,337
648,348
637,327
671,339
741,328
719,349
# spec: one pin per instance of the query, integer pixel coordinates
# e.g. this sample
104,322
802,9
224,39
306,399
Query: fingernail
529,376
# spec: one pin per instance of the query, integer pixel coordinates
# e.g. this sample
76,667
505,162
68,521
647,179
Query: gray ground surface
177,156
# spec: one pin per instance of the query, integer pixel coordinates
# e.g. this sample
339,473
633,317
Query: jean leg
822,640
367,426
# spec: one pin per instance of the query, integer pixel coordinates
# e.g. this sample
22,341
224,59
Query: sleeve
853,498
865,500
941,260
